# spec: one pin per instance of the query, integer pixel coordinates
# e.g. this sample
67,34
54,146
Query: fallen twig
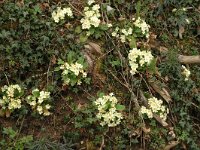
189,59
181,58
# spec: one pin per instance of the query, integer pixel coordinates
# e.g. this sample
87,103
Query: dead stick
189,59
181,58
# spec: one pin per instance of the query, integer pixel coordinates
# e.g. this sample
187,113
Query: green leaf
60,62
101,94
78,29
132,43
87,80
152,66
104,27
37,9
120,107
73,79
57,69
83,38
10,132
138,7
70,57
115,63
36,93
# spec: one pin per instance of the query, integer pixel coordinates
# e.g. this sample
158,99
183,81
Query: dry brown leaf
163,49
80,106
8,113
181,31
53,60
89,61
94,57
161,121
198,29
161,90
44,6
146,130
1,1
136,132
171,145
94,48
166,93
20,3
2,113
90,145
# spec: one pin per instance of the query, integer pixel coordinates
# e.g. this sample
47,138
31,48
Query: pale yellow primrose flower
186,73
140,23
109,116
155,106
9,100
76,68
91,16
90,2
37,103
59,14
144,57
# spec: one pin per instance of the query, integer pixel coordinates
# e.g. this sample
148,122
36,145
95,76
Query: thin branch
7,79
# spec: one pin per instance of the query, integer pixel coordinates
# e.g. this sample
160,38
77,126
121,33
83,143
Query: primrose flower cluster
123,34
186,73
11,97
59,14
39,102
138,58
72,73
91,16
140,23
155,106
107,111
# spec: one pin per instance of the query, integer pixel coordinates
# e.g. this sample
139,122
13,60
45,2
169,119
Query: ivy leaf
60,62
37,9
120,107
57,69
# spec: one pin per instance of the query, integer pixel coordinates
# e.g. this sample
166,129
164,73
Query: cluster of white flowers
74,68
39,102
138,58
185,72
180,9
11,97
140,23
107,111
187,21
109,25
59,14
91,16
122,34
155,106
90,2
